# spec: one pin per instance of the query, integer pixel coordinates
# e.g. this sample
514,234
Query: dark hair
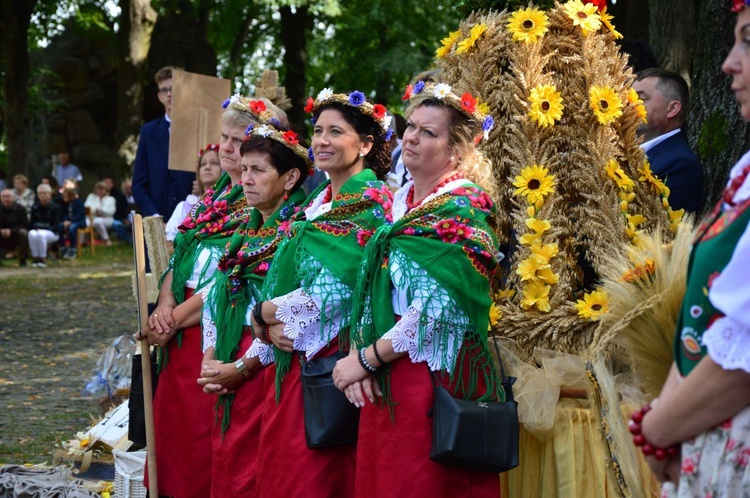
164,73
52,181
282,157
672,86
379,157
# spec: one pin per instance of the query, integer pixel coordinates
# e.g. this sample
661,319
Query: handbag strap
507,382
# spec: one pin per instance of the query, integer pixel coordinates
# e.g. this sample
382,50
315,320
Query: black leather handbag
475,435
330,419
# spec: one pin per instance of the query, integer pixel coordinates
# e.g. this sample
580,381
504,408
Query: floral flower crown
357,100
738,5
213,147
287,138
466,103
256,107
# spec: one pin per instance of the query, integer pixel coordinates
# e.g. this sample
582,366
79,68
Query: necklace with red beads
735,185
410,204
329,195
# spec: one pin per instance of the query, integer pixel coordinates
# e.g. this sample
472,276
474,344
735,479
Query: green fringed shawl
237,284
211,222
335,240
452,238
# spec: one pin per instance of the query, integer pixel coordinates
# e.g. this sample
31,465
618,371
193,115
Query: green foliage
713,138
377,46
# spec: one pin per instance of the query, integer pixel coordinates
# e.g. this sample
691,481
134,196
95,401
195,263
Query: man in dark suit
666,97
157,189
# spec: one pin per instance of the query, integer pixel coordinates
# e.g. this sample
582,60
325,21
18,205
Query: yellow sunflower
474,35
534,183
605,103
527,25
495,315
583,15
593,305
539,226
546,251
536,293
528,268
655,183
447,43
619,176
637,103
546,105
607,21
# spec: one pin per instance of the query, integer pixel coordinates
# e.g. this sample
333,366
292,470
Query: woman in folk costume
697,433
182,413
274,166
422,303
310,286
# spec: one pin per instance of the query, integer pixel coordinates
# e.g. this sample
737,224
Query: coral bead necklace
410,204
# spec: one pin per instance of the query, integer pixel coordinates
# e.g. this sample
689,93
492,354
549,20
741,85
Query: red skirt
235,453
287,468
393,457
183,416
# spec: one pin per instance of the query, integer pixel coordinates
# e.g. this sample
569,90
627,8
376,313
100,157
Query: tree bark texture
134,40
672,25
15,17
295,26
718,133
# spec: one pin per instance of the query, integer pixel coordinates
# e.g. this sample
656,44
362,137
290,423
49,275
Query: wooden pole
148,402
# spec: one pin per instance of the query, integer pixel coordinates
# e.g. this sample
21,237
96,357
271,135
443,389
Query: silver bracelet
364,363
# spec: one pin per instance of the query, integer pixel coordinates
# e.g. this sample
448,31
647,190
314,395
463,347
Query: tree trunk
719,134
672,26
14,25
295,27
134,40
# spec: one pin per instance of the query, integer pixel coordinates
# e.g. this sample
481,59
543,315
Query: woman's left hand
347,372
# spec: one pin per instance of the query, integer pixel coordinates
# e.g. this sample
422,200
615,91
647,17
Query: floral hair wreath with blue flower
213,147
738,5
287,138
467,104
256,107
356,99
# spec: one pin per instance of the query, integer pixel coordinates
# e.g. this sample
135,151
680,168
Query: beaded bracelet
364,363
258,313
377,355
640,440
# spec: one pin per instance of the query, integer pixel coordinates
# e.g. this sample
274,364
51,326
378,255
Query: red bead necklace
735,185
410,204
329,195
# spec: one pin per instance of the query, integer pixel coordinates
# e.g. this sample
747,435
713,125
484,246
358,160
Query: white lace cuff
728,344
208,326
301,316
264,352
404,337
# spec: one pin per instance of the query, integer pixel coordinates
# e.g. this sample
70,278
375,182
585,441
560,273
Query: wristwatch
241,367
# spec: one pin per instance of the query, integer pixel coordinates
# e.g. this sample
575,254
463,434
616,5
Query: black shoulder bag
475,435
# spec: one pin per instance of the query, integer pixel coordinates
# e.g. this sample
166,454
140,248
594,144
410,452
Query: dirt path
54,325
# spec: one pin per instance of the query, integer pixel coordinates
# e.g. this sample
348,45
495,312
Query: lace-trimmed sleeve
264,352
432,327
728,343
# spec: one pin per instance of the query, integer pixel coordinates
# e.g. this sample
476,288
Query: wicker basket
129,469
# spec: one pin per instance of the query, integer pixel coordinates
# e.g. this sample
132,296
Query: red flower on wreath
600,4
378,111
469,103
257,106
407,92
451,231
310,105
290,137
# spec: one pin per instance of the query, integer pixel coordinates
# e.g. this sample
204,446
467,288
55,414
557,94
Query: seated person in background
127,191
207,172
103,208
56,191
14,226
121,223
24,195
73,215
666,97
45,216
